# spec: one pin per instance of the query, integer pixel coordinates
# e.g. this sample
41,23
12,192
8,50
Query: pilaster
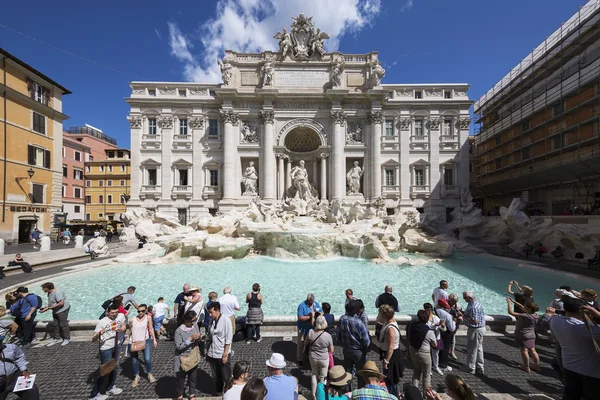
376,121
230,154
267,164
338,119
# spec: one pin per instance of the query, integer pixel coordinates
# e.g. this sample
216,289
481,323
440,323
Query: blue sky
419,41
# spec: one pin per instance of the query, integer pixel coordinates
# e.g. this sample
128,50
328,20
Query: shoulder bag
111,364
307,347
191,360
138,345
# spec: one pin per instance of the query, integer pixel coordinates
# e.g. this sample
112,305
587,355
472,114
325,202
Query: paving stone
63,372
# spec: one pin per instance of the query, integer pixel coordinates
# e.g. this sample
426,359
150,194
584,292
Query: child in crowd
330,318
161,311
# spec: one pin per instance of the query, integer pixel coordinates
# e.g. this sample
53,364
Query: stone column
281,171
288,174
435,182
267,164
337,155
405,174
376,119
230,120
324,176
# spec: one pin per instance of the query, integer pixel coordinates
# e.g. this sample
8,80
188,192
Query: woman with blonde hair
318,344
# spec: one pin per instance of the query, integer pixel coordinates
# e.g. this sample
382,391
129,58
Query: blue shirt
281,387
206,314
320,394
352,333
24,305
303,311
474,312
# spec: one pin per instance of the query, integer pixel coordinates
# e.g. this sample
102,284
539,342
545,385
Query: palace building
199,148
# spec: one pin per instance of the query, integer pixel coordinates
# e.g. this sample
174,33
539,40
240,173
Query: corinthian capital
165,122
196,122
267,116
375,117
338,117
135,121
324,156
229,116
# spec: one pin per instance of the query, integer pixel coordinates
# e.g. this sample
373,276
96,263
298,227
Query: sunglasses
141,311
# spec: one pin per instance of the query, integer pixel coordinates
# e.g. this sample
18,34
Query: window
498,139
557,142
389,177
448,176
39,93
214,177
183,127
101,199
183,177
110,154
447,94
526,152
109,199
77,209
39,123
389,127
77,156
77,174
91,158
102,168
88,183
37,193
182,215
120,154
152,126
77,193
558,109
64,191
110,217
152,177
418,94
498,163
181,92
100,183
65,171
100,215
122,182
88,200
448,127
470,167
151,92
525,125
38,157
122,168
110,168
419,176
418,127
88,217
88,168
213,127
108,183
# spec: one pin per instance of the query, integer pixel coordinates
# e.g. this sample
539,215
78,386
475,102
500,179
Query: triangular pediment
420,162
391,162
211,163
182,162
150,162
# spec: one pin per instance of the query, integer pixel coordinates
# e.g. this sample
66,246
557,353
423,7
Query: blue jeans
106,356
158,321
134,359
354,360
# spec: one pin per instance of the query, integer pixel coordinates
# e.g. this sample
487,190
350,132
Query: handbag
111,364
307,347
138,345
190,361
331,362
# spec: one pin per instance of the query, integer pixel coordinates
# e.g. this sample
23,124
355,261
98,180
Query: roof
69,141
35,71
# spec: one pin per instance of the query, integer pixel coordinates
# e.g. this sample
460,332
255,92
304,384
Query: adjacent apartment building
75,154
31,131
538,129
107,186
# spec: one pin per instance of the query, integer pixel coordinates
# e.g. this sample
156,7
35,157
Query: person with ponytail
254,390
233,388
456,388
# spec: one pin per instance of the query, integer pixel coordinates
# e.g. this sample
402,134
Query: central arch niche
302,139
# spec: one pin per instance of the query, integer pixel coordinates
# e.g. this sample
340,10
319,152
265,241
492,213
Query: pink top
139,329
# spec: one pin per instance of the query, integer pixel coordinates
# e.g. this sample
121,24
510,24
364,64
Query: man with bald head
387,298
179,306
474,318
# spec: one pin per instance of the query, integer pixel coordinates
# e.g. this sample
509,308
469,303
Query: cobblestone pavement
64,372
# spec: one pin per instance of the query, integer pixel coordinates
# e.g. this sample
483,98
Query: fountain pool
286,283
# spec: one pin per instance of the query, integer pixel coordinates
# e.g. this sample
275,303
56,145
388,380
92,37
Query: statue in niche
354,134
285,42
336,72
353,178
249,135
377,72
266,73
249,180
300,180
226,71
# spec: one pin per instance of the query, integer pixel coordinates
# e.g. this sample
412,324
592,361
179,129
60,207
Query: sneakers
65,342
453,356
259,340
53,342
437,370
99,397
115,390
247,341
151,378
135,382
448,369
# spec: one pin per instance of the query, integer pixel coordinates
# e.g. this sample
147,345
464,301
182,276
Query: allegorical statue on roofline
303,42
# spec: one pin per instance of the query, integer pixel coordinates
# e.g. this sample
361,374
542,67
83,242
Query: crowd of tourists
204,331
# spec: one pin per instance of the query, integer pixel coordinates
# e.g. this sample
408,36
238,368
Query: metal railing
85,130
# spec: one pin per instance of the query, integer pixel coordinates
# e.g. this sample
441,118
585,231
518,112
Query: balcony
449,190
419,142
150,191
182,142
211,192
151,141
390,142
183,191
419,191
389,189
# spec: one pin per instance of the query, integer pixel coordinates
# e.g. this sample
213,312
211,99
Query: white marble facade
192,143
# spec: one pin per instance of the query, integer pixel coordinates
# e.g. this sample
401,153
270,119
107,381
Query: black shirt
389,299
180,301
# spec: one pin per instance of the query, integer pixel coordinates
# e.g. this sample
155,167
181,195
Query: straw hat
338,376
195,288
276,361
370,369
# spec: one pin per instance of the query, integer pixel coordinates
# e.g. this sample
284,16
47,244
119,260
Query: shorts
158,321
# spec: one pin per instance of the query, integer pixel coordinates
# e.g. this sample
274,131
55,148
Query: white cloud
157,33
249,26
408,5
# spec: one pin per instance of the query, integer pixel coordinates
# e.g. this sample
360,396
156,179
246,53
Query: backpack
38,298
110,301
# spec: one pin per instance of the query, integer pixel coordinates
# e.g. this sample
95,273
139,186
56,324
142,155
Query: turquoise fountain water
286,283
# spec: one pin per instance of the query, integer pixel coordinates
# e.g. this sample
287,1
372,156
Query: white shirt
160,309
434,324
112,326
228,304
439,294
234,393
578,353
